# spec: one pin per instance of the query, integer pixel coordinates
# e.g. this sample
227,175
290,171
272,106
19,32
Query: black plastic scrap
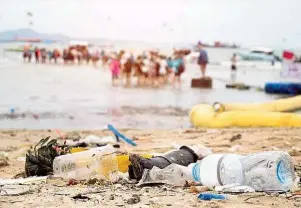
184,156
81,197
39,160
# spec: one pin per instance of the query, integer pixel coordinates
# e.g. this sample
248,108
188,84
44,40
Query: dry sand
57,194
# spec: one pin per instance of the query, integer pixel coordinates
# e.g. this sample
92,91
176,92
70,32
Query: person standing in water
233,68
115,69
179,68
203,60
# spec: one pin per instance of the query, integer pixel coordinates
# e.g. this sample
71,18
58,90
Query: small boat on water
259,54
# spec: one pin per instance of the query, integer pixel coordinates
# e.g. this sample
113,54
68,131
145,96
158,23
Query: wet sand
56,194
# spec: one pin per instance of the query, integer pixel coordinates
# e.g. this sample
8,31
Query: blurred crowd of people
149,68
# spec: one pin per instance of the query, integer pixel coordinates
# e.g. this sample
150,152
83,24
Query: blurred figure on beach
179,68
27,53
44,55
37,53
115,68
55,55
126,66
233,68
152,72
203,59
137,66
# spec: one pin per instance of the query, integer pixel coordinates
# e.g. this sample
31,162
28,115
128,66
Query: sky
247,22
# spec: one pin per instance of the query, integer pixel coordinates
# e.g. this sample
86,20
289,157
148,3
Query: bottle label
196,172
281,172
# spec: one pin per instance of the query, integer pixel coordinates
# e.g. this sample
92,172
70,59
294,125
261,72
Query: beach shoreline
16,142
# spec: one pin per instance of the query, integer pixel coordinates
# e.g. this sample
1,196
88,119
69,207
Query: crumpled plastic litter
23,181
234,188
172,175
14,190
92,139
200,150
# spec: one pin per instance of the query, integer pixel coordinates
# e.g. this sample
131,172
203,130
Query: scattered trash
23,181
124,162
72,182
201,151
209,196
135,199
265,171
184,156
39,160
236,137
90,141
14,190
59,133
171,174
119,135
99,162
198,189
234,188
80,197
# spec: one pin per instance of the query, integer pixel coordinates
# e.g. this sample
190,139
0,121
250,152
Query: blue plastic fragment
119,135
209,196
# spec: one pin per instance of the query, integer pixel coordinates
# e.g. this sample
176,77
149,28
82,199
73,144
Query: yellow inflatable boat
204,115
280,105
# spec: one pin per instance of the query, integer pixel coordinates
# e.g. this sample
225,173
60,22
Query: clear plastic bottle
218,169
264,171
269,171
100,162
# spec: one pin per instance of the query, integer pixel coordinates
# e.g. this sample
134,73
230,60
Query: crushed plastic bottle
265,171
100,162
172,174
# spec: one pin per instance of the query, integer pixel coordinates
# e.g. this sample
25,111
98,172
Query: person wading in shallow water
37,53
233,68
115,69
203,60
179,68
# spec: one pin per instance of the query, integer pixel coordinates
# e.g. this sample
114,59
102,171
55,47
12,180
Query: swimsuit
115,68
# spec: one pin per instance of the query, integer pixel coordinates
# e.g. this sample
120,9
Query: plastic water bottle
265,171
218,170
100,162
269,171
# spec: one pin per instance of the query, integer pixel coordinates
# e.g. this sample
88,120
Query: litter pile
100,161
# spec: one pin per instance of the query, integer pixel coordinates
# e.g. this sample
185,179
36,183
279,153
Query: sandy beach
57,194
